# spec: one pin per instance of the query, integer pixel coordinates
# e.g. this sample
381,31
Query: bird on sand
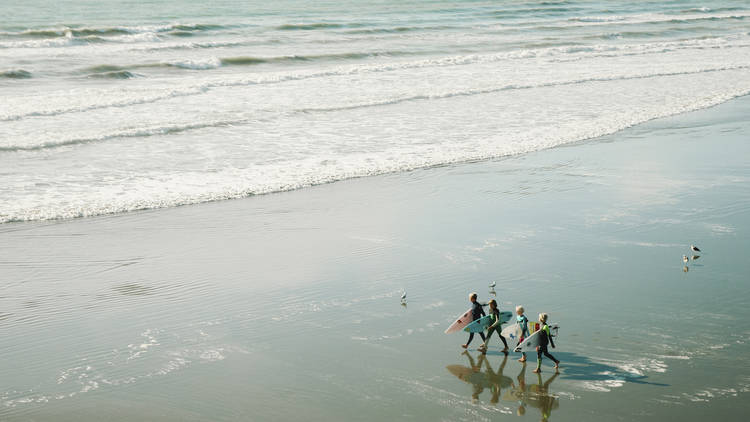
685,259
694,248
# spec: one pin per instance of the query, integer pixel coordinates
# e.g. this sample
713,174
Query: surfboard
461,322
512,332
532,341
482,323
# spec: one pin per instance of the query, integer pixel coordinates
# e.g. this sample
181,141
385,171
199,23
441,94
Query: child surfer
476,313
523,322
546,337
496,326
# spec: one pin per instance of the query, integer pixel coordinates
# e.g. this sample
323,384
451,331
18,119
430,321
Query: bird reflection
685,269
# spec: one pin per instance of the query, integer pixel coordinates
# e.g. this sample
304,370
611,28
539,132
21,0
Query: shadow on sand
577,367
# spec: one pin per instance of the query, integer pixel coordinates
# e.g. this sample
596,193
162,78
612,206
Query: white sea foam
310,104
602,386
198,64
55,139
12,110
650,18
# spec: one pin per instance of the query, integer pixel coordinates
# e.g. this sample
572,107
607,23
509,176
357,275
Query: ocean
115,106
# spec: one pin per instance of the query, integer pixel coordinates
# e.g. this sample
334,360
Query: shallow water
286,306
120,105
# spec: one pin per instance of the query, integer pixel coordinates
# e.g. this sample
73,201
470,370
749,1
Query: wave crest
15,74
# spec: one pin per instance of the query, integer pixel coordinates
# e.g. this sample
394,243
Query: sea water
115,106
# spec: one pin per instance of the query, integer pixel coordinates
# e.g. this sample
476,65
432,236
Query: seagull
492,285
694,257
694,248
685,259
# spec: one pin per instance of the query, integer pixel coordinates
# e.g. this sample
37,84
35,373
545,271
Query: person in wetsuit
495,326
523,322
544,339
476,313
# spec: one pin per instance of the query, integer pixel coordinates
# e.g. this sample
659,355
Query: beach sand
287,306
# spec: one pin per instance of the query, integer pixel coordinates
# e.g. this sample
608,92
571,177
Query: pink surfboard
460,322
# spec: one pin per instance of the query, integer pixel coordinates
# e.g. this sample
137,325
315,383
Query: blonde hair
519,308
473,296
492,302
543,317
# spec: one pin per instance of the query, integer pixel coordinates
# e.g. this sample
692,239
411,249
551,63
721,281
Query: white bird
694,248
403,296
685,259
492,285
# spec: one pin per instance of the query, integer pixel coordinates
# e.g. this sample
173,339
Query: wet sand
286,306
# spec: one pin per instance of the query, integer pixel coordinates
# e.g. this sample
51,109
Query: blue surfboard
482,323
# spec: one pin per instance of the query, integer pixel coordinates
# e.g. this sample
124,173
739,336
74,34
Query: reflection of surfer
535,395
473,375
542,398
498,381
519,393
477,387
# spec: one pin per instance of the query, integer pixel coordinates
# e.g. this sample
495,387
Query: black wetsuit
545,337
476,313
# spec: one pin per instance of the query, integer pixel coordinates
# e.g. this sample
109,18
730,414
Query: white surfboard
512,332
532,341
460,322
